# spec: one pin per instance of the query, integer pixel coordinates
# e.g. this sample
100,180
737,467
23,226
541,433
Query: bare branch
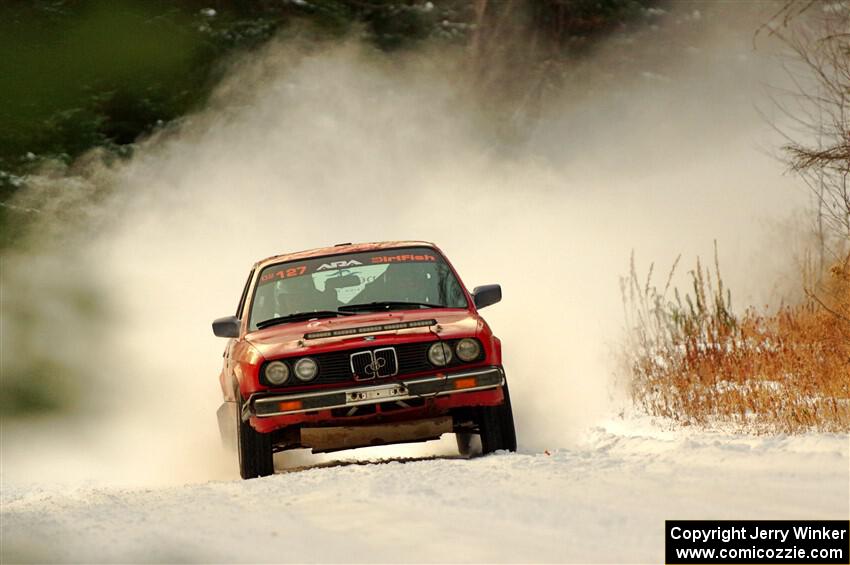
820,302
816,108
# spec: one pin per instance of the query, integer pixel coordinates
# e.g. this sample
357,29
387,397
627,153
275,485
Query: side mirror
226,327
486,295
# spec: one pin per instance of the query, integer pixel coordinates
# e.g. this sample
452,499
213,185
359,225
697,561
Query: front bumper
405,389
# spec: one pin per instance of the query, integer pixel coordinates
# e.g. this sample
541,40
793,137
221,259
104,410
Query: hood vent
371,329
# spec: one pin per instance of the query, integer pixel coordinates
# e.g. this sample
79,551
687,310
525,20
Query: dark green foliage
73,65
392,26
44,388
78,74
82,74
582,20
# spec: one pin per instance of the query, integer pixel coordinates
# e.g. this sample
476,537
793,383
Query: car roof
341,248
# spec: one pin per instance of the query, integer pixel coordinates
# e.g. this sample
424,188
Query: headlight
277,372
306,369
440,354
468,349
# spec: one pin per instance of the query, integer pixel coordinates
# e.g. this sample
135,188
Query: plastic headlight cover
468,349
277,372
306,369
440,354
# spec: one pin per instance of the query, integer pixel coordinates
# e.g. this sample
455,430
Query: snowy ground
604,501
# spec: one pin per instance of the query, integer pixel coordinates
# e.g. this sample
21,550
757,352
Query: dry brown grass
695,362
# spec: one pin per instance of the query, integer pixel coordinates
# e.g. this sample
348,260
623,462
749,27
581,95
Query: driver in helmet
295,295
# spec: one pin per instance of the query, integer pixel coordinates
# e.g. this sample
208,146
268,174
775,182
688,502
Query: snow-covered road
603,501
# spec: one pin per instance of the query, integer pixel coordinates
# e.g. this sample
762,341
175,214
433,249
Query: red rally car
358,345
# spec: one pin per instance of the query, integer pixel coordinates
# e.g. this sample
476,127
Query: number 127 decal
283,274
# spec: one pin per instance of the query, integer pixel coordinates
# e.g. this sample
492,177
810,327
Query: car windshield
373,280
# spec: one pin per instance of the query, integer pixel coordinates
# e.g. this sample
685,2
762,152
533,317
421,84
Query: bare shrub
693,361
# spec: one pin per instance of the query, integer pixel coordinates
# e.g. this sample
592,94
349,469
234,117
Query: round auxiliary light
306,369
277,372
440,354
468,349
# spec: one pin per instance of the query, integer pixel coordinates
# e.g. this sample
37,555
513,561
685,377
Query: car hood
288,339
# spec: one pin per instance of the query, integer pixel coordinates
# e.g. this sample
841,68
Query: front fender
239,376
246,368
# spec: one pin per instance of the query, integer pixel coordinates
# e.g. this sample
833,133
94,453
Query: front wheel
496,426
465,443
255,450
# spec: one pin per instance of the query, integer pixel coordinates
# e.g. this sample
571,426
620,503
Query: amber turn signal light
468,382
289,405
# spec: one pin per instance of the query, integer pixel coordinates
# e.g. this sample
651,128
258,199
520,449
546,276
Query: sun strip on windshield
371,329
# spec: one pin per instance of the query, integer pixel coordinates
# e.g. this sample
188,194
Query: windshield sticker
403,258
326,267
339,265
286,273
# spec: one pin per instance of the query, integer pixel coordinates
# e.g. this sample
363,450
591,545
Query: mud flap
226,415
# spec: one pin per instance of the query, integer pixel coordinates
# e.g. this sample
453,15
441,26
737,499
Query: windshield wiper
301,316
387,305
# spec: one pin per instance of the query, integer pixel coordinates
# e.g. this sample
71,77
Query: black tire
508,428
496,426
255,450
464,442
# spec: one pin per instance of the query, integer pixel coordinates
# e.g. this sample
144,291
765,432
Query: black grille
387,361
361,363
335,368
413,357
